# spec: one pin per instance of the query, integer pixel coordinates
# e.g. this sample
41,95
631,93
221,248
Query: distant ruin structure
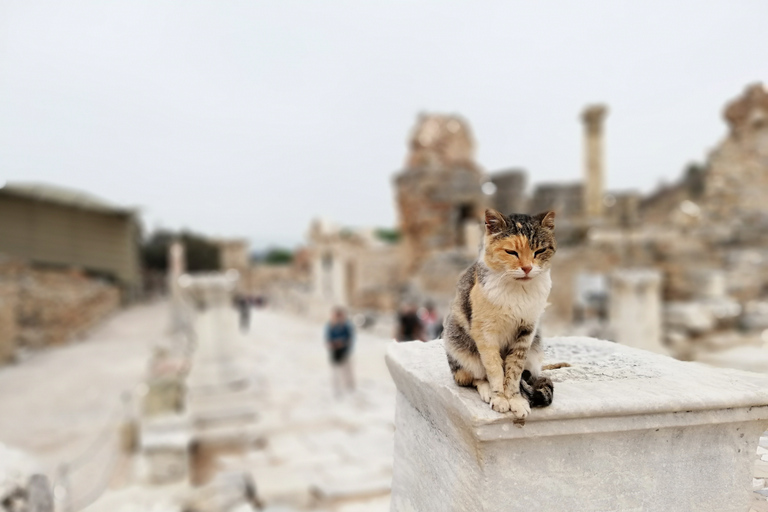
352,268
441,142
439,193
57,226
509,196
635,308
564,198
737,171
593,118
685,267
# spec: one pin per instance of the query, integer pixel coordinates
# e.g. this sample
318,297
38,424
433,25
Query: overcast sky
251,118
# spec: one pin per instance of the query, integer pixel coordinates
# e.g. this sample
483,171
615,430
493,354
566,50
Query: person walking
243,304
339,338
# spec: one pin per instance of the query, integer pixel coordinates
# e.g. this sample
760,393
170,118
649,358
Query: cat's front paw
499,403
484,389
519,406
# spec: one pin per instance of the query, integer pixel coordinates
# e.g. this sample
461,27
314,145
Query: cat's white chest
523,302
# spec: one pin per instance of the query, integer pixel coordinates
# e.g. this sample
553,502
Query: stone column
593,117
176,268
634,308
628,430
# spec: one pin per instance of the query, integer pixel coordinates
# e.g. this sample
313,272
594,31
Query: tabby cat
491,333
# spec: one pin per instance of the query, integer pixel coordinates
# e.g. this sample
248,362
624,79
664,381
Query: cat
491,332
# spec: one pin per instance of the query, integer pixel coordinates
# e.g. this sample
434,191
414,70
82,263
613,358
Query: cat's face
518,245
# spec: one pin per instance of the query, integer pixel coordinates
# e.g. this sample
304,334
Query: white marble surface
605,379
628,431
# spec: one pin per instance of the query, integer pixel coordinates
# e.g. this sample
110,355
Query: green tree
389,235
278,256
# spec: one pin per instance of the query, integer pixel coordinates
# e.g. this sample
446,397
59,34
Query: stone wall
657,207
10,270
40,307
569,263
8,327
510,194
565,198
262,278
440,190
737,175
436,279
353,268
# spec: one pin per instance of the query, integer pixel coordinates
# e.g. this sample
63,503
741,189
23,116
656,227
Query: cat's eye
540,251
513,253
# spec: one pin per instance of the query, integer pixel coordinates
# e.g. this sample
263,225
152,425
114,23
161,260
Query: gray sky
251,118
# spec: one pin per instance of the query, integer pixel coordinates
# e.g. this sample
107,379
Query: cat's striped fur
491,333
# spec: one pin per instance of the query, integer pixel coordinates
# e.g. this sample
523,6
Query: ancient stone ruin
594,179
439,193
40,307
709,227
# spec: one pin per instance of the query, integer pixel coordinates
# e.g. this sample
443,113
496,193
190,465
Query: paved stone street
59,401
319,452
314,452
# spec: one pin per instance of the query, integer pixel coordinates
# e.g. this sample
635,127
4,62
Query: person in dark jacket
339,338
243,304
409,327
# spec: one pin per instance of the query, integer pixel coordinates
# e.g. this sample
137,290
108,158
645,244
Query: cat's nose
526,268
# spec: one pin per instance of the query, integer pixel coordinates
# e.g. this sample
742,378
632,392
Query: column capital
593,117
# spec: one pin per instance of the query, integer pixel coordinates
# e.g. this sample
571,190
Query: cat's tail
555,366
538,391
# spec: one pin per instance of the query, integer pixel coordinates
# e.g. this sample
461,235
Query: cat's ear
494,221
547,219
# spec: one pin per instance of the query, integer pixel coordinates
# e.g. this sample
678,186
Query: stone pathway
314,452
319,453
56,403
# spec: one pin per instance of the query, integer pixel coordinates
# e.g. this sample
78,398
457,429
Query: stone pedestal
634,308
217,360
220,398
164,447
628,430
165,395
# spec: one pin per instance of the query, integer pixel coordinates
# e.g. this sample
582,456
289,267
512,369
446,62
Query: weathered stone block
628,430
8,328
164,446
635,308
164,396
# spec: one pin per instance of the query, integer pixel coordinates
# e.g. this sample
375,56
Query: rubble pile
41,307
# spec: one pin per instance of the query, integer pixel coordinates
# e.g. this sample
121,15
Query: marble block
164,449
629,430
